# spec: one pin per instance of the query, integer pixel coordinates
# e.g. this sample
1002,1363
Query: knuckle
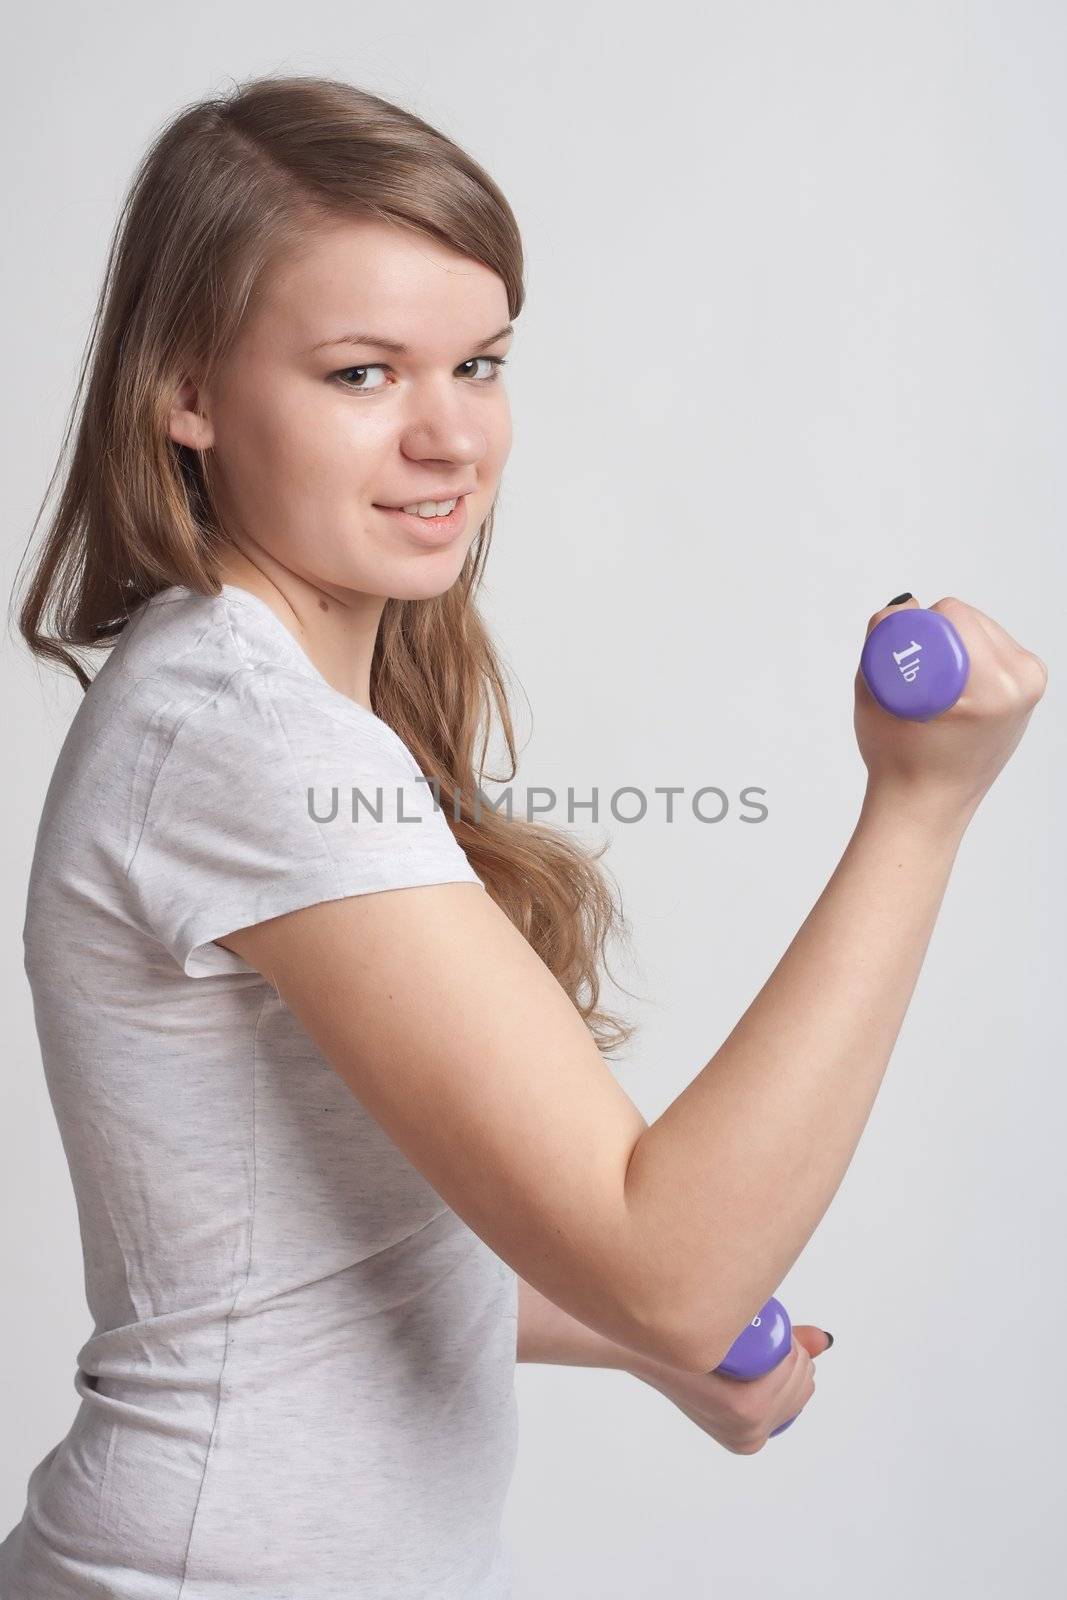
1010,686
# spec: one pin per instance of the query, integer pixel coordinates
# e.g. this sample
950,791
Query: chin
425,585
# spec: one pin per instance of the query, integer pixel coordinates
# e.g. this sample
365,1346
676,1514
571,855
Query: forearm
728,1185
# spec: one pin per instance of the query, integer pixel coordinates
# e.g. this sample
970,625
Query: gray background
794,342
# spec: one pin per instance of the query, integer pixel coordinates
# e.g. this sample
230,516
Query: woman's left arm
738,1416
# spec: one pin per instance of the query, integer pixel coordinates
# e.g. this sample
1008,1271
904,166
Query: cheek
300,442
500,438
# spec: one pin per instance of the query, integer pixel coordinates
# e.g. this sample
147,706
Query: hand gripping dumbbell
767,1340
915,664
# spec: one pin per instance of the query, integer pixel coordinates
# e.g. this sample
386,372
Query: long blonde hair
224,192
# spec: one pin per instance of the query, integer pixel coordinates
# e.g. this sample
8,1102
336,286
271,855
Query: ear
187,423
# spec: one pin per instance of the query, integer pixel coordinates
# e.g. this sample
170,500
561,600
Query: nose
442,425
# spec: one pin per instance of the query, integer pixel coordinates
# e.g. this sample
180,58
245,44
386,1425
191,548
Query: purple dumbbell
767,1340
915,664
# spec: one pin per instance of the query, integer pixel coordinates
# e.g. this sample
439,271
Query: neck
336,628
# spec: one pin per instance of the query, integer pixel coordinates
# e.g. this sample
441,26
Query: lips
431,530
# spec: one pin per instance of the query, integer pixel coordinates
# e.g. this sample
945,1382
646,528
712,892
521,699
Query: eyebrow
377,343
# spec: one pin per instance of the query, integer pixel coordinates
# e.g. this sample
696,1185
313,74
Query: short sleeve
272,795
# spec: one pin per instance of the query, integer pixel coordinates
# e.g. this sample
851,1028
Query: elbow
691,1350
675,1342
688,1339
669,1320
705,1347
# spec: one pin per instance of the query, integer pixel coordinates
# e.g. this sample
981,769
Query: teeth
431,508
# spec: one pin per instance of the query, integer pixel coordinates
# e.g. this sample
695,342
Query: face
314,427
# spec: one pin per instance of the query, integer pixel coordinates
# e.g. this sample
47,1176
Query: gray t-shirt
300,1381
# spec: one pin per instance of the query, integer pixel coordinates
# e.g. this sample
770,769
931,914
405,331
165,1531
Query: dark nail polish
830,1337
900,599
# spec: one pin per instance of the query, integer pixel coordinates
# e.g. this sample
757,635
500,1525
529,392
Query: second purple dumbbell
767,1340
915,664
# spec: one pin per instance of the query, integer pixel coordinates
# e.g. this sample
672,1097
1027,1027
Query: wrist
917,808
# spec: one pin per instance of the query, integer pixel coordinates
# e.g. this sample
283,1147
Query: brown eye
363,386
496,362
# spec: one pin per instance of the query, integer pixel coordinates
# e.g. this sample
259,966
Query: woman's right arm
667,1239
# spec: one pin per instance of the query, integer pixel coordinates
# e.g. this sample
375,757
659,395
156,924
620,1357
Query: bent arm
667,1239
731,1181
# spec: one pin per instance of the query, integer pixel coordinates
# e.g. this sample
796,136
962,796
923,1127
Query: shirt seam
233,1307
201,704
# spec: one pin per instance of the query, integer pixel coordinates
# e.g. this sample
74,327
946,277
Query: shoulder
245,741
221,678
213,779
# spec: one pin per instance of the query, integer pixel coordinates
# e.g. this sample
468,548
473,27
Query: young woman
321,1029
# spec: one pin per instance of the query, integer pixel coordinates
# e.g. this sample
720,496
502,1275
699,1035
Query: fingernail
830,1337
900,599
